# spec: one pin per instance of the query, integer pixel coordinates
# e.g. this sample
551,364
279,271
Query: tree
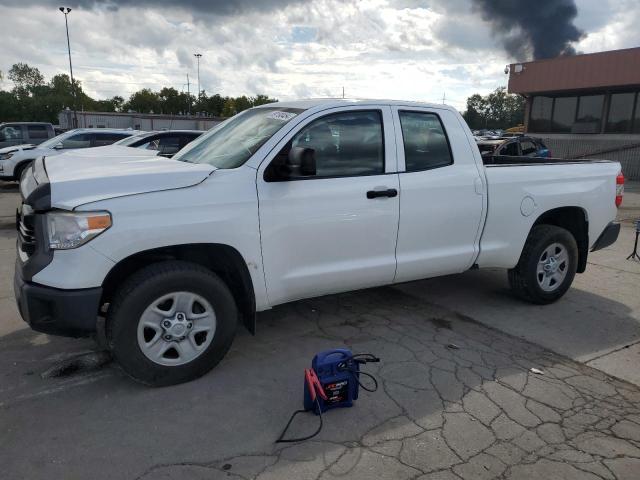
24,77
31,99
143,101
229,108
495,110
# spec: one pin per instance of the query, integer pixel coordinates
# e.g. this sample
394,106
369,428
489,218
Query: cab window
337,145
425,142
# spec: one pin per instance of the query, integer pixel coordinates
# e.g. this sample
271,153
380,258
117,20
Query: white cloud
410,49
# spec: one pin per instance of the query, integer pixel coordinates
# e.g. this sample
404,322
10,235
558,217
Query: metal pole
65,11
188,96
198,56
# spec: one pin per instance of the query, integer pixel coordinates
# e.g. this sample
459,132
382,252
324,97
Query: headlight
6,156
72,229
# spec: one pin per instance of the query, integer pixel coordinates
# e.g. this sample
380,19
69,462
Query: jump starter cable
316,390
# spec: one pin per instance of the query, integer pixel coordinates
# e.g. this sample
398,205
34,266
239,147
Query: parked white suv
288,201
14,159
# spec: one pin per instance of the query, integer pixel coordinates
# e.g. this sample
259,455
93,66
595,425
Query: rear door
334,230
441,194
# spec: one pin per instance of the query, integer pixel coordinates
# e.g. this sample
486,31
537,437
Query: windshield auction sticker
282,116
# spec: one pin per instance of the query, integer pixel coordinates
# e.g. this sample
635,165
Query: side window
37,131
169,145
528,148
11,133
81,140
103,139
425,143
187,139
338,145
510,149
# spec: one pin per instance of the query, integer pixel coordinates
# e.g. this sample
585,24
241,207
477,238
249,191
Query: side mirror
301,162
58,146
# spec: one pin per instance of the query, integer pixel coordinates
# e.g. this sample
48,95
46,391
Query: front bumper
607,237
70,313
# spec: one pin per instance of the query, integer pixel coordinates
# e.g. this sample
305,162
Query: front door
333,229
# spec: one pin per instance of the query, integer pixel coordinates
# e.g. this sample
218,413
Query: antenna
444,97
342,92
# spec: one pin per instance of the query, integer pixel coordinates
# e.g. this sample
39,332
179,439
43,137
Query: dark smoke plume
533,28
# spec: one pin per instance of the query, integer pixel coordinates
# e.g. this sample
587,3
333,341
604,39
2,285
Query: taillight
619,189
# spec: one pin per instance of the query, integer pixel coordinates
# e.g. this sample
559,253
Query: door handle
390,192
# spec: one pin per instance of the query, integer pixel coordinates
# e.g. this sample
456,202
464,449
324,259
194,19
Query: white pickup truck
283,202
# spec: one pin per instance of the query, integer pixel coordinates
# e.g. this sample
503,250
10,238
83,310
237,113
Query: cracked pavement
456,400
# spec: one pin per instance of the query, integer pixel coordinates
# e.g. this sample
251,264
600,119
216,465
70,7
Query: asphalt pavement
473,385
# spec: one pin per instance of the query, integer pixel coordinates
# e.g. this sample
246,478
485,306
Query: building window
540,117
564,114
620,112
636,121
589,118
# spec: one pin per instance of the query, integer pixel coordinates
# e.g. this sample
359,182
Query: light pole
198,57
66,11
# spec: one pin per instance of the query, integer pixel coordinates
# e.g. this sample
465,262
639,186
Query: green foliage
31,99
496,110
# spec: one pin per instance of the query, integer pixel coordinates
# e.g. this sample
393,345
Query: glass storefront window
589,119
620,112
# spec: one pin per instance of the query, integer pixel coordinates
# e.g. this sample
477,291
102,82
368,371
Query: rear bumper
607,237
70,313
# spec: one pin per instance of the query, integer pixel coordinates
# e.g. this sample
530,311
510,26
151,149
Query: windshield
231,143
133,139
56,140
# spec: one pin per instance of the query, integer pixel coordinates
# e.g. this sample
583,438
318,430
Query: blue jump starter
338,373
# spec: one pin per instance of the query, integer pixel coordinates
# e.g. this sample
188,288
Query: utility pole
444,96
198,57
66,11
342,92
188,96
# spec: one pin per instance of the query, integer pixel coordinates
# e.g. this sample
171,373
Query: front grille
25,223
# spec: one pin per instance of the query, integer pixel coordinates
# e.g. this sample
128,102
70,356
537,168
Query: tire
538,279
160,294
17,173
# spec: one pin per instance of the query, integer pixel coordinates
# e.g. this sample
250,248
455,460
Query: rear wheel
171,322
547,265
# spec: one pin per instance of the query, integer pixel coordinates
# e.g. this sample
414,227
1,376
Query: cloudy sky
401,49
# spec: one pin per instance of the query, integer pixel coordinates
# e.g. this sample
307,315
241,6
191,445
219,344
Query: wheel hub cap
176,328
553,266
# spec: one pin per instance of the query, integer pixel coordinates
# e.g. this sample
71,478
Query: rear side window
38,131
103,139
425,143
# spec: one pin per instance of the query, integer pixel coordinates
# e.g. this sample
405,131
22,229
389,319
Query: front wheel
547,265
171,322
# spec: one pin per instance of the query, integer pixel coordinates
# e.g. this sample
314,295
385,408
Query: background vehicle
13,160
20,133
518,146
289,201
166,143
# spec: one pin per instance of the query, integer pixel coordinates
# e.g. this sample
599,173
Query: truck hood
15,148
80,177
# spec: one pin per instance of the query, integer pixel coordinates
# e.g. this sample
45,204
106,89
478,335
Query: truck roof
339,102
26,123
